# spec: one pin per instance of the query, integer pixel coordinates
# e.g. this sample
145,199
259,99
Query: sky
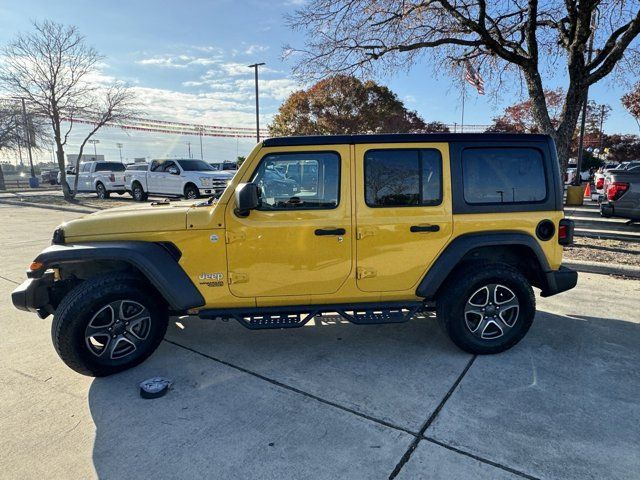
187,62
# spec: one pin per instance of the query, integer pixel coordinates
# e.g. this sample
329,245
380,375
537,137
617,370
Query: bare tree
52,69
527,38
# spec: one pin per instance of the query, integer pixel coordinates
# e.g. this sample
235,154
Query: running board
296,316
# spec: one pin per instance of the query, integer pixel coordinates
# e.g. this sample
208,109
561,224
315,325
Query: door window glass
503,175
403,177
299,181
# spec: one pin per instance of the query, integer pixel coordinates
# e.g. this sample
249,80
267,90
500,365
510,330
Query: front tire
486,308
108,324
191,192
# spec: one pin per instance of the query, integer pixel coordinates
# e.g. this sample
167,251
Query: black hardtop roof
403,138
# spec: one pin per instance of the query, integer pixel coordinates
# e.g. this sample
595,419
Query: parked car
623,194
226,166
68,171
570,175
373,239
103,178
49,176
186,178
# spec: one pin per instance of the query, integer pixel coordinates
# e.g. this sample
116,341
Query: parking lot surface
330,400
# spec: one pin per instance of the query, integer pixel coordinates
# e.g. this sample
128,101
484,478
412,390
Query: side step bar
296,316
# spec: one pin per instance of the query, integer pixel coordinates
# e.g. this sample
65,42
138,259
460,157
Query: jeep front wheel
486,308
108,324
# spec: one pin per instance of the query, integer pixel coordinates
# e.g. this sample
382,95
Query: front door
154,177
403,213
298,242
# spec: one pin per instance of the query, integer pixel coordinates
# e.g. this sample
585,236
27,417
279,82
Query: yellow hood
130,219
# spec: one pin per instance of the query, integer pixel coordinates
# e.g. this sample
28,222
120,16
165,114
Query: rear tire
138,193
101,191
108,324
486,308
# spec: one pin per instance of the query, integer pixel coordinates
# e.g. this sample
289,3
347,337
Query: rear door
403,213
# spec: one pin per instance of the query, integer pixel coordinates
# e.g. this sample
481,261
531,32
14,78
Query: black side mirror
247,198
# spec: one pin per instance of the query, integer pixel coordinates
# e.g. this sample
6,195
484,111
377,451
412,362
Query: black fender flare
460,246
156,262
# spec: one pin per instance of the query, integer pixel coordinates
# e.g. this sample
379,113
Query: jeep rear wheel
108,324
101,191
486,307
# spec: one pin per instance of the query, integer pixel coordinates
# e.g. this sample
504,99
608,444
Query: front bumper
33,295
559,281
213,191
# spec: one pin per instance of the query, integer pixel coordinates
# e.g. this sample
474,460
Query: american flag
472,76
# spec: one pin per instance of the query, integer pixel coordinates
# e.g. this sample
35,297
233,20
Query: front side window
300,181
194,165
503,175
403,177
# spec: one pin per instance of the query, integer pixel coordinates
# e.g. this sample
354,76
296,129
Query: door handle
425,228
330,231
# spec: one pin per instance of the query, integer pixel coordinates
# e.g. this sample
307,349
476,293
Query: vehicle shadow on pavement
563,403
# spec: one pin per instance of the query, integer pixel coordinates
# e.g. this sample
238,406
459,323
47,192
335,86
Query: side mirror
173,170
247,198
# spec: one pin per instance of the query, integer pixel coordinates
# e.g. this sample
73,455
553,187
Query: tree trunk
66,191
2,186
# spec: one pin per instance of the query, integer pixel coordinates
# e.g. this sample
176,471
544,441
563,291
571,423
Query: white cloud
253,49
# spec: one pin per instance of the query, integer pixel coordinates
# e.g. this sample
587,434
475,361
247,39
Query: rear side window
109,167
403,177
503,175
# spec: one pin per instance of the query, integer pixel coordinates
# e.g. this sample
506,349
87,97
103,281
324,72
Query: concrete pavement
330,400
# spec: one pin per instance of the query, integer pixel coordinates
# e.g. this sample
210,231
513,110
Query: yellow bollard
575,195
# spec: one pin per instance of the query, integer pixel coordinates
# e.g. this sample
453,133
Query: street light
95,150
119,145
255,67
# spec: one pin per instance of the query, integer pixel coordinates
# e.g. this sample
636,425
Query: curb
47,207
604,268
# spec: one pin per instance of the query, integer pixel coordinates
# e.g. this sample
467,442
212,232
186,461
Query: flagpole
462,119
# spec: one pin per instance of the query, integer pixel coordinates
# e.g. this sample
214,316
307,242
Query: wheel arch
156,262
517,249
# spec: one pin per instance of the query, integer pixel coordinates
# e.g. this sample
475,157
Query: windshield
194,165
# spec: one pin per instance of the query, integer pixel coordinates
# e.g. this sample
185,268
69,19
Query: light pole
578,179
255,67
189,147
95,149
119,145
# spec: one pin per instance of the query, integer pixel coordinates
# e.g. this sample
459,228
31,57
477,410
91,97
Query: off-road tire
101,191
459,289
138,193
191,191
80,305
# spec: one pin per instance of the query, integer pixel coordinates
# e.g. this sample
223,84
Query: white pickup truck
186,178
103,178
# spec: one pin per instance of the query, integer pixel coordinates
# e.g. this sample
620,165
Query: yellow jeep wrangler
373,227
